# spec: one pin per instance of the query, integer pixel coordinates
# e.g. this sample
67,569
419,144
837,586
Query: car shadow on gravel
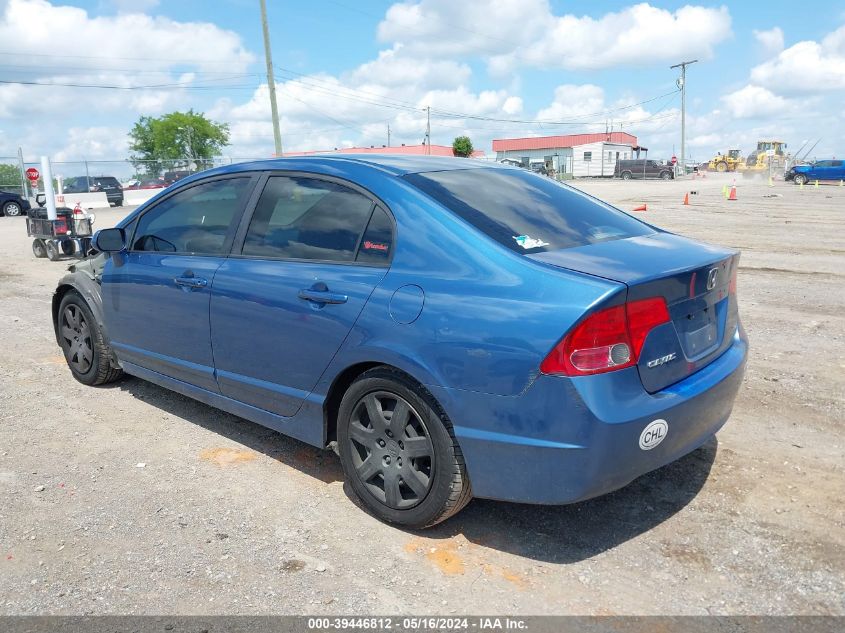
554,534
573,533
320,464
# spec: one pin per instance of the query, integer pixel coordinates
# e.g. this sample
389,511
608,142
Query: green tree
462,146
178,140
10,177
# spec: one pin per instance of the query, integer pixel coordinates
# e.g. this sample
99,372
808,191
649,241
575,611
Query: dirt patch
227,456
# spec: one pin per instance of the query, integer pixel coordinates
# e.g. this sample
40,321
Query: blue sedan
820,170
450,328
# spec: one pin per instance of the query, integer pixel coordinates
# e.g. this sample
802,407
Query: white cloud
394,69
806,67
771,40
514,33
56,44
754,102
114,41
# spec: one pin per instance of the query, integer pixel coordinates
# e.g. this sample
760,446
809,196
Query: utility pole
388,134
428,130
682,84
271,83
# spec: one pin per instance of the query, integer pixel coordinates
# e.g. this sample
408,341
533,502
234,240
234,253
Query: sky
347,69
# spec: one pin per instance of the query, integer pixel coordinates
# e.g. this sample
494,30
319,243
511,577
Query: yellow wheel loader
729,161
767,152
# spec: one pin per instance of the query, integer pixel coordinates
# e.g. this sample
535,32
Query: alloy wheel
392,451
77,337
13,210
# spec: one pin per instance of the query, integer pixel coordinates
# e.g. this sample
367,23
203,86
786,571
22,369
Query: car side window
377,243
307,218
196,220
836,163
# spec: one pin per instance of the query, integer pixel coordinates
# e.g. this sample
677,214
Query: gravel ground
134,500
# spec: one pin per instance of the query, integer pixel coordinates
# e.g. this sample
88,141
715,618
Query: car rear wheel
800,179
399,452
626,175
82,342
11,209
38,248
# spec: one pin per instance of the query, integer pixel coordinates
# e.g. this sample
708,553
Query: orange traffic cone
733,193
686,198
642,207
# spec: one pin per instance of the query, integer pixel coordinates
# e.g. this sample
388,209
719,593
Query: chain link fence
83,174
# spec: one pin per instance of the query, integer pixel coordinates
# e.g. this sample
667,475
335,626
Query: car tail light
607,340
732,288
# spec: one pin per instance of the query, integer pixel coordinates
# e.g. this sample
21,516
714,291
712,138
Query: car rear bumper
565,440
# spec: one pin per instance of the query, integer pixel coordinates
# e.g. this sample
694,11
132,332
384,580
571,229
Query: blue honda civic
451,328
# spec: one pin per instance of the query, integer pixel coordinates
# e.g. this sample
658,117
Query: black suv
106,184
642,168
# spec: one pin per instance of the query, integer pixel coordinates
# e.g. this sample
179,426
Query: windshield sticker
527,242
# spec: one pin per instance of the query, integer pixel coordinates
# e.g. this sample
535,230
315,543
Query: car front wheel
800,179
82,342
11,209
665,175
399,452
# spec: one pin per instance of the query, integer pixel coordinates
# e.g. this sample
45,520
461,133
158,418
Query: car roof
395,164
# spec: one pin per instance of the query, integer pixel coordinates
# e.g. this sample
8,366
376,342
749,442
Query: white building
577,155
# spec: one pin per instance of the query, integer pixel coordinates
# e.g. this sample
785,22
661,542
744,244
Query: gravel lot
131,499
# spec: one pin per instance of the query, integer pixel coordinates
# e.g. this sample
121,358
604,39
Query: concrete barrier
96,200
139,196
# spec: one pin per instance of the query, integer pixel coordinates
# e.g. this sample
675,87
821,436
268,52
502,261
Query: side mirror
110,240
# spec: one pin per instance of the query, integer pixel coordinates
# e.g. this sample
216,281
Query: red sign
32,174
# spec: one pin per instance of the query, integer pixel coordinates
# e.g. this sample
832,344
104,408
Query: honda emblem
712,276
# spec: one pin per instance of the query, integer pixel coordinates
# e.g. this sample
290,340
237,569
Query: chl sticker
653,434
527,242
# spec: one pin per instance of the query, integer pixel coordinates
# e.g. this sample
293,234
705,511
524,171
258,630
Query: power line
180,86
169,60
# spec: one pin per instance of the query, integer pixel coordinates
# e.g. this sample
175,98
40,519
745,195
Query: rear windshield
526,212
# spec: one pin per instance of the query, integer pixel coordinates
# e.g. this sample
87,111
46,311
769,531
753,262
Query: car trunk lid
694,278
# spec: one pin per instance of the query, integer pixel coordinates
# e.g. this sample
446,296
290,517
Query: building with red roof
572,154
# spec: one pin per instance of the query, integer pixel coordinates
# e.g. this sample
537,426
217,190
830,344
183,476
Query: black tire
119,202
626,175
721,166
12,209
800,179
434,463
53,253
67,247
665,175
82,342
38,248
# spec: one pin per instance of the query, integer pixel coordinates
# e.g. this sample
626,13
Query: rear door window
307,218
525,212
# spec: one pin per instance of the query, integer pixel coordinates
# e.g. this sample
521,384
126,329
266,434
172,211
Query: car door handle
191,282
322,296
